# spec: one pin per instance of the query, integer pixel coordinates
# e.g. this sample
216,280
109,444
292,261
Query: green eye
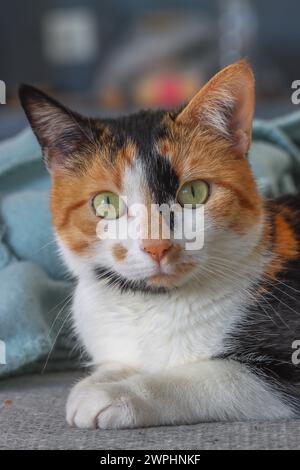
194,192
108,205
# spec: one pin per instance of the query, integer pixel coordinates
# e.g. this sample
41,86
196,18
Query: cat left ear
62,133
226,105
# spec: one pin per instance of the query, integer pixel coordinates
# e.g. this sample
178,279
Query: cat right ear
225,105
62,133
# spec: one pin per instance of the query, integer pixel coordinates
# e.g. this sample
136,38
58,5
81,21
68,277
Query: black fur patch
64,135
161,178
144,129
264,338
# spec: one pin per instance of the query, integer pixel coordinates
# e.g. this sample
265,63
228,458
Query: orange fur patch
200,154
174,254
119,252
71,195
286,246
286,243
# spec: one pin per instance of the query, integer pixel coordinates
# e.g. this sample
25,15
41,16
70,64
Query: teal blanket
35,290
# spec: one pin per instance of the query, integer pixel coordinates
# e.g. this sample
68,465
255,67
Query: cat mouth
159,283
162,278
168,279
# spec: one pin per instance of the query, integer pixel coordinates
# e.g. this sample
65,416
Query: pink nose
156,248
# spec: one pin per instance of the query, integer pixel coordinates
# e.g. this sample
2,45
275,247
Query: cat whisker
54,342
68,299
270,282
255,299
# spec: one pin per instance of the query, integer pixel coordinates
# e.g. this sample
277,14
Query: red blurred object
166,89
171,91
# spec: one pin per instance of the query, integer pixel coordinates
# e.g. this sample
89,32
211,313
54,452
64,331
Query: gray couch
32,416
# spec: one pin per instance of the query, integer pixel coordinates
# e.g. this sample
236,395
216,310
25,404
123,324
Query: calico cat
175,335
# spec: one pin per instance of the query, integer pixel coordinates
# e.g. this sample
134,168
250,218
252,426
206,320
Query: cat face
196,155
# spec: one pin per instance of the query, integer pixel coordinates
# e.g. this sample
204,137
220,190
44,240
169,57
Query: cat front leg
205,391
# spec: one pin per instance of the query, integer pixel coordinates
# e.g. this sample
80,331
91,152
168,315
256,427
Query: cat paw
104,406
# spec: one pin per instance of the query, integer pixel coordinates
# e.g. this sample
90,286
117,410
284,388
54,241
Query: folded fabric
35,291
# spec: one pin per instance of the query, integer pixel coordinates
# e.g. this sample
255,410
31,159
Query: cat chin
158,284
166,281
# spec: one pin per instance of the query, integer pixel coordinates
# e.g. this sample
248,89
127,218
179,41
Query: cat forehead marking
144,130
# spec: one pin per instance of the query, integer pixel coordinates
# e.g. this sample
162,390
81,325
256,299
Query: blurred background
113,56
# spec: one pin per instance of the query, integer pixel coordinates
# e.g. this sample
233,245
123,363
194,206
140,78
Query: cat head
101,169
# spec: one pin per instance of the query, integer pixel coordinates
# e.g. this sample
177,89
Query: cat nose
156,248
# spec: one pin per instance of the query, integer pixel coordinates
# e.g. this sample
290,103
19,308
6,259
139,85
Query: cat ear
226,105
62,133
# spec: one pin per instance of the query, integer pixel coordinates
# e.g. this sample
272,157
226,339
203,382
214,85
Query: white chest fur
151,332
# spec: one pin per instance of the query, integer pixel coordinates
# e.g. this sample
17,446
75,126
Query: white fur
153,359
200,391
215,113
